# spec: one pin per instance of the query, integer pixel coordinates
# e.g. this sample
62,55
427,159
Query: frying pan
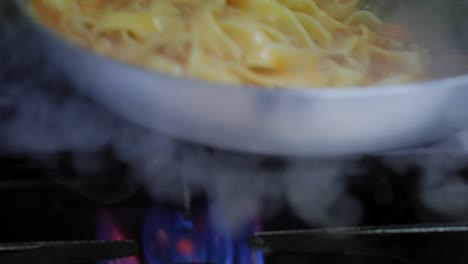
293,122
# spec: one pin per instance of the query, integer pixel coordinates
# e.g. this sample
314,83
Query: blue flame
170,238
245,253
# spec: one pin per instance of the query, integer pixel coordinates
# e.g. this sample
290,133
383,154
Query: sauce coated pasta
270,43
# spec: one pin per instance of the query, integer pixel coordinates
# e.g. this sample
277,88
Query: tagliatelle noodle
270,43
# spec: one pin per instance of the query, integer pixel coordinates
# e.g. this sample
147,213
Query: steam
444,185
42,114
317,192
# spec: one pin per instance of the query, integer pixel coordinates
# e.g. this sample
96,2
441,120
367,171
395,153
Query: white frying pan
268,121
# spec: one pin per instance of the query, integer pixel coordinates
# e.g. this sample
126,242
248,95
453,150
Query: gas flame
109,230
247,255
170,238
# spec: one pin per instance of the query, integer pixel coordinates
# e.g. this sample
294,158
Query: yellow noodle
270,43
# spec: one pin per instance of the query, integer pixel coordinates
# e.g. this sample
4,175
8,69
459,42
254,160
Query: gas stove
72,171
52,201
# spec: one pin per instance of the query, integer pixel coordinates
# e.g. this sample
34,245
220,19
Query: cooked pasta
270,43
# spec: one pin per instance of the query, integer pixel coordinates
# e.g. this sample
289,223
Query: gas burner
167,237
385,195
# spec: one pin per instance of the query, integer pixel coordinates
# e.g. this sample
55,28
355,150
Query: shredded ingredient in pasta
270,43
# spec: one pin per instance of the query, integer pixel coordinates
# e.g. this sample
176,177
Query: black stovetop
50,201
